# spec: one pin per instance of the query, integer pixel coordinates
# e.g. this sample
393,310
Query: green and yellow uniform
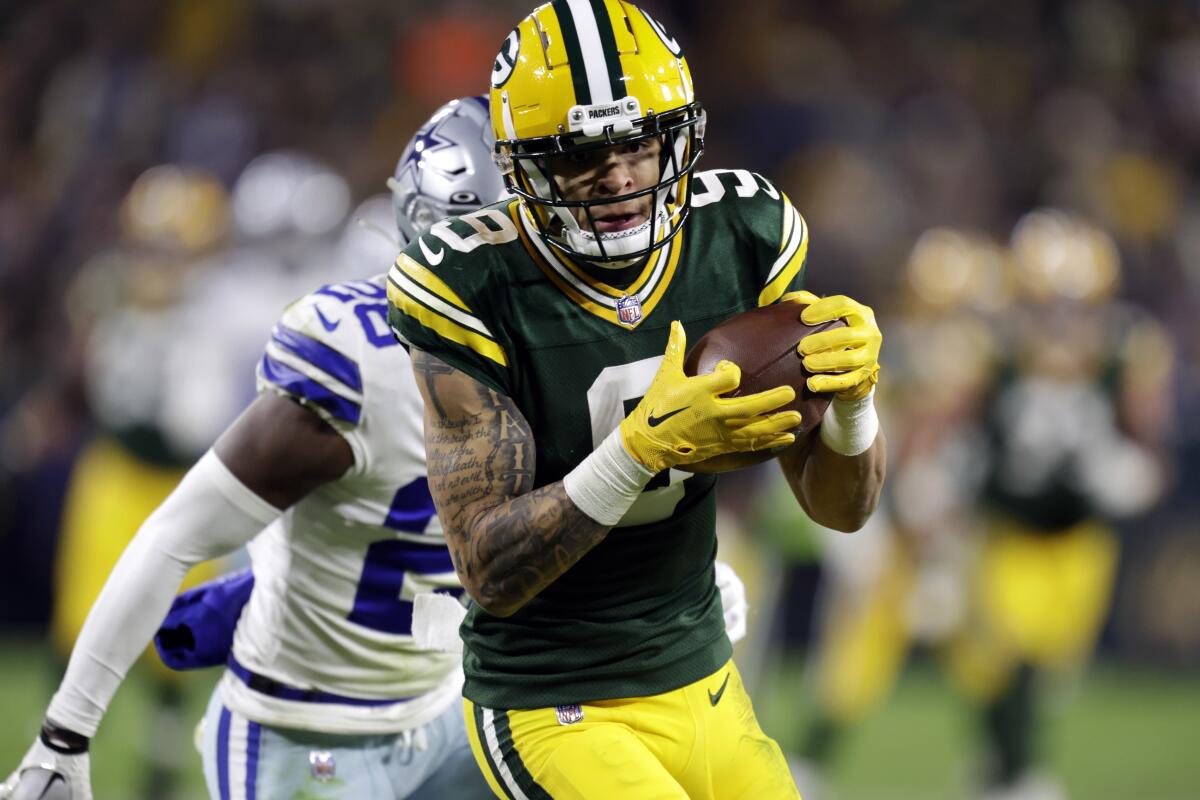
575,348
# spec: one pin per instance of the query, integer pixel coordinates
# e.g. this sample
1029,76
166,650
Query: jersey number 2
394,570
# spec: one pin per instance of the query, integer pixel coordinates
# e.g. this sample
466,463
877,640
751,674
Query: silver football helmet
447,168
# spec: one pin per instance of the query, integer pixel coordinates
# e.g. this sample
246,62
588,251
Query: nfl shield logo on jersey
569,715
629,310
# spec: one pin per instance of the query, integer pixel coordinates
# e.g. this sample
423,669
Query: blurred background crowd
1011,185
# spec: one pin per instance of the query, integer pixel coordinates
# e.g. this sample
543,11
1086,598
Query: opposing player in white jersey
325,693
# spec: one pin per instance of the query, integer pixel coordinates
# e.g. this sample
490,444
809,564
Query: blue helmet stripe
300,385
319,354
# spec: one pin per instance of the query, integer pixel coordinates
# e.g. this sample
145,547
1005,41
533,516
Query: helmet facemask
528,168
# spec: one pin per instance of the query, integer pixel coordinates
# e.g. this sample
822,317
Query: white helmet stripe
587,30
506,116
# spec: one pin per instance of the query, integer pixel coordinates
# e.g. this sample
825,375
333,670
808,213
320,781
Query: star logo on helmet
426,141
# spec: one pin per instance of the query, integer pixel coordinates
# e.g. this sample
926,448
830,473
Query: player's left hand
846,358
733,601
47,773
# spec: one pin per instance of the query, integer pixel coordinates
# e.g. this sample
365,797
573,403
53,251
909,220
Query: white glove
46,774
733,600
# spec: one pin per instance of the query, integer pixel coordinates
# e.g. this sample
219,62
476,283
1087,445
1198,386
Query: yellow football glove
848,357
683,420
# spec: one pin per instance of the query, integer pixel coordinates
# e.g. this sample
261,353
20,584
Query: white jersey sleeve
325,642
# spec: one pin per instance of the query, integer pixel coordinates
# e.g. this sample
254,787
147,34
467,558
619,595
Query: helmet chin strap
617,243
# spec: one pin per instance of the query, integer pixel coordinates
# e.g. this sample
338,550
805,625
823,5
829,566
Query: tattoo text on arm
509,541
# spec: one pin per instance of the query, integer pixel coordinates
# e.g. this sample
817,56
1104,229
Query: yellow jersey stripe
655,263
675,248
790,263
580,274
613,292
789,221
444,326
435,303
564,286
431,283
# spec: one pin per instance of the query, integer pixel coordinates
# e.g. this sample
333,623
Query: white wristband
606,483
849,426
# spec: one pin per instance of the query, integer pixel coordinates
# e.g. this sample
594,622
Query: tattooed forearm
507,541
523,545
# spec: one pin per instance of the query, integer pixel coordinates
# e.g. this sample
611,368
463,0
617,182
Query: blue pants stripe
253,741
223,754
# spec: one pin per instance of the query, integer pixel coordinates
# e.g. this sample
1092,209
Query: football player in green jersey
595,655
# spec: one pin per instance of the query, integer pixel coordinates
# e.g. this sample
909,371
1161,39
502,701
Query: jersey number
394,570
487,226
372,316
609,397
710,186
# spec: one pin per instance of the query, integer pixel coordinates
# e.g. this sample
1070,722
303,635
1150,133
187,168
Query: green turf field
1125,734
1122,734
28,676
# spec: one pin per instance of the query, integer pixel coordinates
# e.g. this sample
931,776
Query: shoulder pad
315,349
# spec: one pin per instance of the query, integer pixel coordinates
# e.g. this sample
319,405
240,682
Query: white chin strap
617,243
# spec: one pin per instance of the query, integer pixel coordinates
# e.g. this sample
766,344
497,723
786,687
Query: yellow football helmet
177,209
951,270
581,75
1060,256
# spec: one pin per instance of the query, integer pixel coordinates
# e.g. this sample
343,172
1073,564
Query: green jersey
575,348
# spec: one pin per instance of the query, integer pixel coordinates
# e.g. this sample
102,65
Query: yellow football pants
701,741
864,642
1039,599
110,494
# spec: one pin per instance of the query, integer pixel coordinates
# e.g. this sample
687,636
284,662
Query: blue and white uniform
325,688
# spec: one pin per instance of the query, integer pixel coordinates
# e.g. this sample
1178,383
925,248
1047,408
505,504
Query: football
762,342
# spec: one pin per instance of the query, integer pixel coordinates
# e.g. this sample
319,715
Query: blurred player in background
171,326
127,312
596,659
902,580
1033,407
288,209
1076,419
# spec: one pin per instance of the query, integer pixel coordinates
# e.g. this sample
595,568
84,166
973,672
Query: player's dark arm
837,491
508,540
837,472
269,458
282,451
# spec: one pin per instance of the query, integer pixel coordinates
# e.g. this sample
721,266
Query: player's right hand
46,774
683,420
